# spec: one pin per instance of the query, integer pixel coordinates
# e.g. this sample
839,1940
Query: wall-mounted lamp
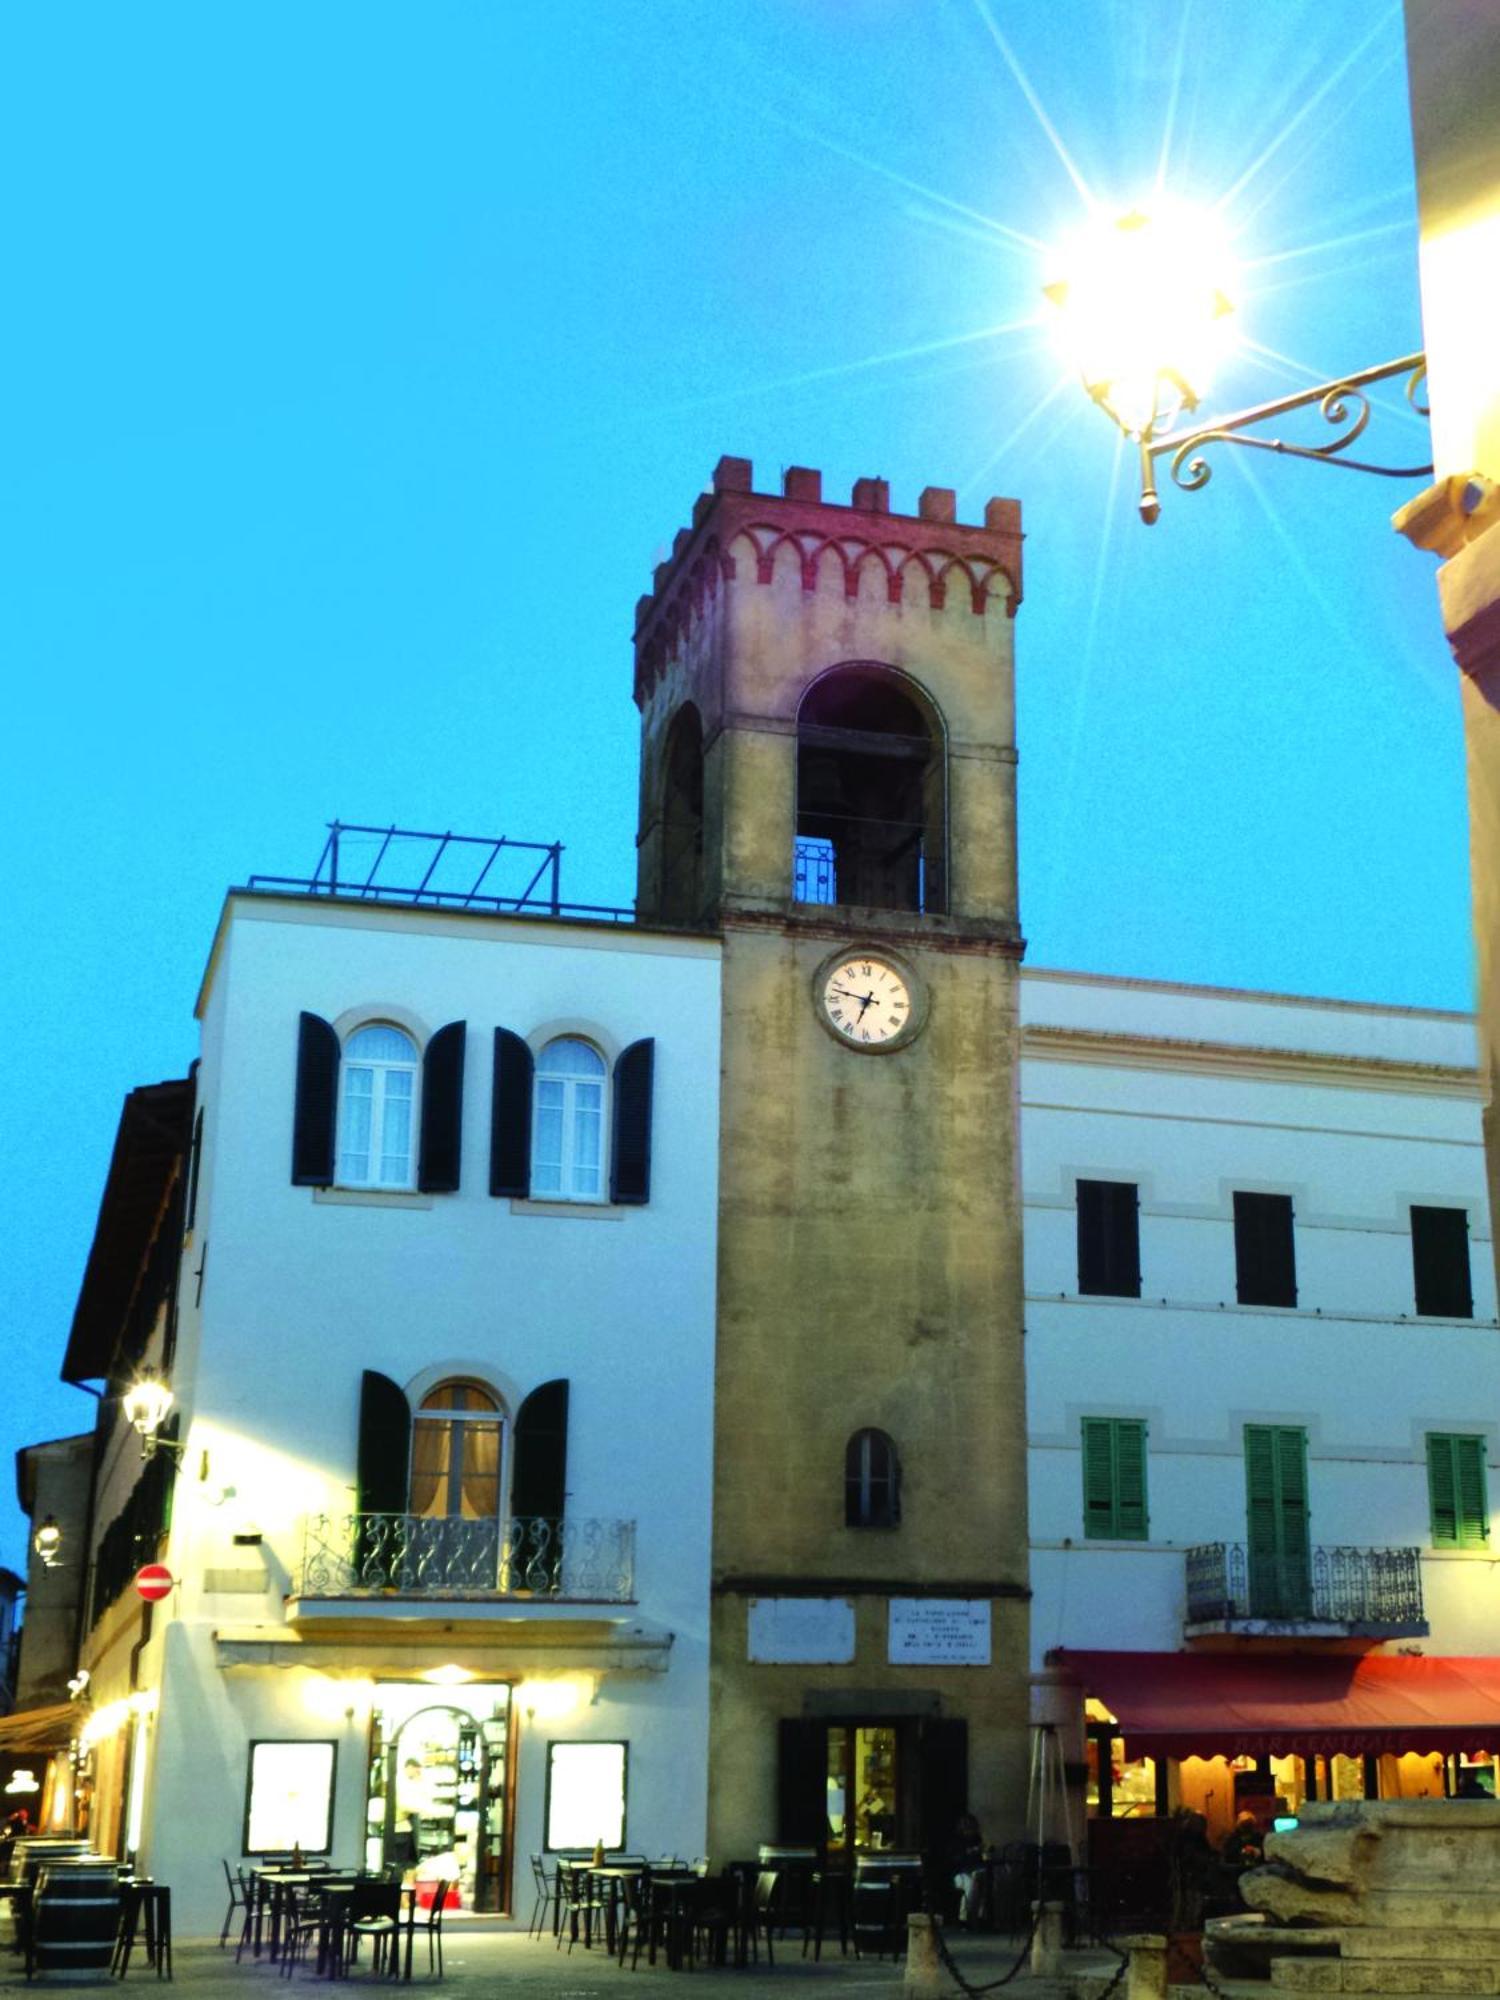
1145,313
47,1541
78,1685
146,1404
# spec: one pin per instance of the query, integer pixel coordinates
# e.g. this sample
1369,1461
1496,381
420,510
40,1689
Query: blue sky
362,360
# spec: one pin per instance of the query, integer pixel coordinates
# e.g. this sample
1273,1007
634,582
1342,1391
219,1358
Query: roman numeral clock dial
866,1000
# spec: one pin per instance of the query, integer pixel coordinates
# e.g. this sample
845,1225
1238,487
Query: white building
1263,1389
449,1203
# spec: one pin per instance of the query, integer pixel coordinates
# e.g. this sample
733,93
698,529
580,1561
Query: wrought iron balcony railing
1370,1590
377,1555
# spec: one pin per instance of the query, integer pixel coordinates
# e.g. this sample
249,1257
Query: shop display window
289,1797
586,1796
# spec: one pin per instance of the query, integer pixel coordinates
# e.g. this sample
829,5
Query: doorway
439,1785
858,1786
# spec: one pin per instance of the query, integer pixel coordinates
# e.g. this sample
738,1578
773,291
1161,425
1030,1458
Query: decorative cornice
1266,1064
773,1584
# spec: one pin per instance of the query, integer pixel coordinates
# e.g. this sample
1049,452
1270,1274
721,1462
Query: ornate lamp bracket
1342,404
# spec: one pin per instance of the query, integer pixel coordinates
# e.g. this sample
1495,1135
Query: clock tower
828,782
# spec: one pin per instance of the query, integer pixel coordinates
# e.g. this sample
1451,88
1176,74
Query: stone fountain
1395,1896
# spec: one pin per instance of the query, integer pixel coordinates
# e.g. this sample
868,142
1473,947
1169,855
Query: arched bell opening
682,818
871,794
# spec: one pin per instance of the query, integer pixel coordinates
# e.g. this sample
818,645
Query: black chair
374,1912
429,1923
546,1897
577,1905
304,1923
830,1909
238,1897
763,1915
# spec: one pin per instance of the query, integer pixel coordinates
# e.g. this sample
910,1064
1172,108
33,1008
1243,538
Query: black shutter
942,1780
442,1110
1109,1242
1265,1256
195,1166
510,1117
1440,1262
801,1783
630,1159
316,1103
539,1473
384,1445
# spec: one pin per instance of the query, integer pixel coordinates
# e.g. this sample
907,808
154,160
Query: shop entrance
860,1786
439,1790
863,1789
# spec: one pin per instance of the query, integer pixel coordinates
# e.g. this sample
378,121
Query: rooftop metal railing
392,864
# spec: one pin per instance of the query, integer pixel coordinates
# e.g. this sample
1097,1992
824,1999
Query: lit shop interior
440,1788
1122,1786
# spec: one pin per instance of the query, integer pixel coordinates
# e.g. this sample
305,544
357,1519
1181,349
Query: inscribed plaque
939,1632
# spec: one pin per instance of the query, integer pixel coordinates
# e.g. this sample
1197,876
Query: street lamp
1146,315
146,1403
47,1541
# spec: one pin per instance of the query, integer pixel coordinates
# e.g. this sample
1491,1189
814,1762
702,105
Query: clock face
866,1000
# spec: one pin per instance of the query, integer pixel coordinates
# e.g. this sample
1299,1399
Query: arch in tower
682,818
872,804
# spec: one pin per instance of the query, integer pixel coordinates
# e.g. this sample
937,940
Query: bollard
924,1969
1147,1977
1046,1941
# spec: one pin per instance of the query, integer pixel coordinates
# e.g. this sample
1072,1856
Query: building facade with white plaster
441,1353
1263,1384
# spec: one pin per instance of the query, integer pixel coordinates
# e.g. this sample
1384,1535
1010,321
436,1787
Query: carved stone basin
1406,1890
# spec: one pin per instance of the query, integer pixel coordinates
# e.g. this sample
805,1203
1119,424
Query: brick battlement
738,535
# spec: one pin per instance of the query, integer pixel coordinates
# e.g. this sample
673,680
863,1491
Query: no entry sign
153,1582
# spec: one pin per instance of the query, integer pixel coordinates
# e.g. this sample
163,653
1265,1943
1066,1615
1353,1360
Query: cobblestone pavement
482,1957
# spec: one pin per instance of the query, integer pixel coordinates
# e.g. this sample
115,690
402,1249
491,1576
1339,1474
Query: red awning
1247,1704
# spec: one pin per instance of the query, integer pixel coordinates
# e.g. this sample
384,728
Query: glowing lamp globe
146,1405
1144,311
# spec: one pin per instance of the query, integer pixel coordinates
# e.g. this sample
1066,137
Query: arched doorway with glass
457,1456
439,1781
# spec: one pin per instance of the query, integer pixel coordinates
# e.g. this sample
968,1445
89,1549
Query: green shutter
1456,1488
1130,1482
1276,1520
1114,1479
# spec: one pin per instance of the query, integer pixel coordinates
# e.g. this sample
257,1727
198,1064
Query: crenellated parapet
925,562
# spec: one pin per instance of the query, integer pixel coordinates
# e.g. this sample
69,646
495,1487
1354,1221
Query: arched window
567,1127
456,1442
872,1481
682,819
377,1101
871,794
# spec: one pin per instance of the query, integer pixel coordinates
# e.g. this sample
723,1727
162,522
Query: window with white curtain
567,1126
377,1104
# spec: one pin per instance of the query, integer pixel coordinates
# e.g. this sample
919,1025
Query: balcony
1337,1592
375,1558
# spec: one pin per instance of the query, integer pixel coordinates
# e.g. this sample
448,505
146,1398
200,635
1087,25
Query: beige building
828,780
1453,56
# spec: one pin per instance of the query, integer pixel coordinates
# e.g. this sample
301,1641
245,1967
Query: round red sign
153,1582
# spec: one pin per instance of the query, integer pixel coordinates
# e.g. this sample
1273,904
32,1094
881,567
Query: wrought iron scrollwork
1332,1585
366,1555
1344,405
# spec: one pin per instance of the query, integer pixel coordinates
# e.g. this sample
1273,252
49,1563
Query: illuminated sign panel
289,1798
585,1796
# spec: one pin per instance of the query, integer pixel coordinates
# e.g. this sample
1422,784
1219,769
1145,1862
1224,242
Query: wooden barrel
33,1851
75,1917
